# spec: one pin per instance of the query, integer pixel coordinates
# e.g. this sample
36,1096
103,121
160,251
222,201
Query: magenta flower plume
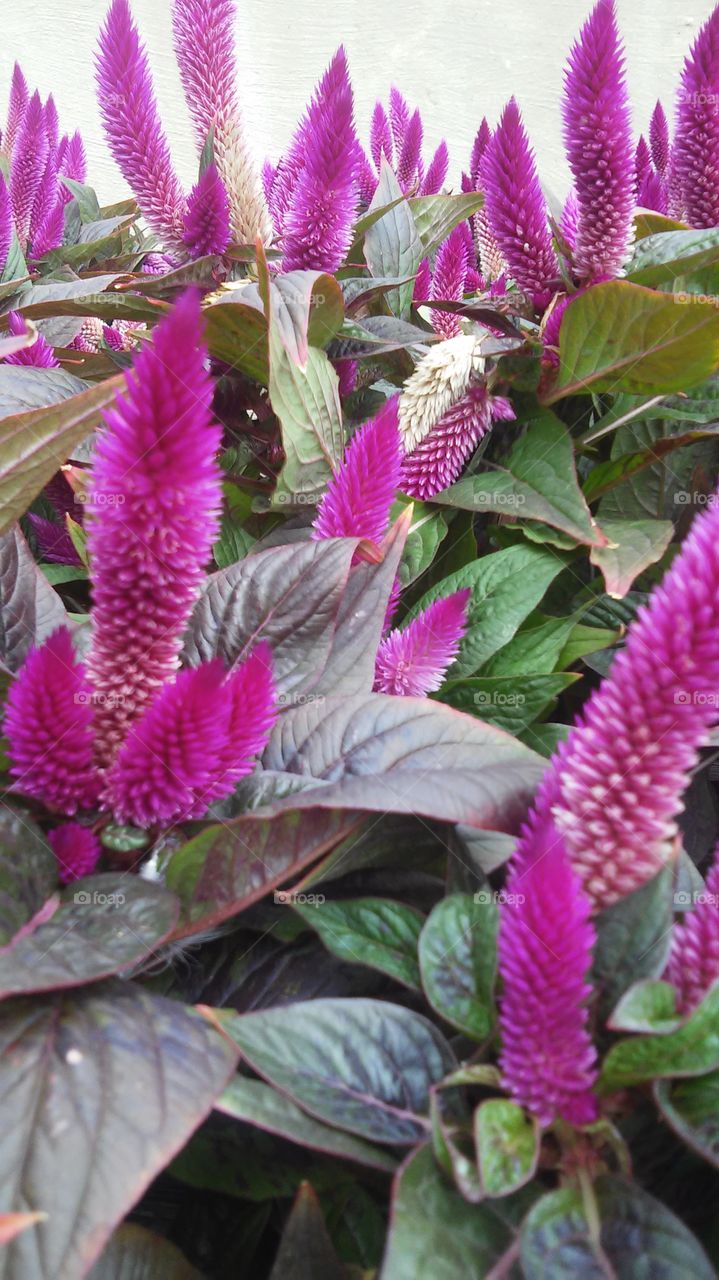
413,662
694,957
659,139
437,172
317,228
597,135
448,279
205,48
6,223
154,470
193,743
696,146
48,725
132,125
77,850
652,193
39,353
51,230
623,770
569,221
30,156
71,163
422,283
19,99
642,159
545,945
53,540
479,146
439,457
207,221
516,209
399,117
410,152
359,496
381,144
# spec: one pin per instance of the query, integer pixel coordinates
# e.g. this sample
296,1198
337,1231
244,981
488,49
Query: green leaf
29,608
85,198
660,258
306,401
432,1225
507,1146
584,640
134,1253
634,544
691,1107
373,931
361,1065
237,334
104,925
509,702
692,1050
633,939
306,1251
623,337
436,216
378,335
392,246
28,873
537,646
73,1069
458,961
506,586
257,1103
648,1005
638,1236
537,481
23,387
426,533
35,444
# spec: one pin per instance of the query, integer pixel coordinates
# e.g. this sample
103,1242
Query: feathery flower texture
413,662
77,850
694,958
696,148
357,501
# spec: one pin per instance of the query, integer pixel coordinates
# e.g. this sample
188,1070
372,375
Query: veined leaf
392,246
633,546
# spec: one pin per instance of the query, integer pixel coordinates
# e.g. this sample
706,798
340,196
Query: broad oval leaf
362,1065
373,931
458,961
633,546
507,1145
662,257
509,702
24,387
98,1090
435,216
691,1107
691,1050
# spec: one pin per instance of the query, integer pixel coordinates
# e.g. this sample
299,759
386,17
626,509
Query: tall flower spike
39,353
448,280
696,147
205,48
413,662
19,98
652,193
194,742
659,139
30,155
440,379
437,172
479,146
410,152
569,220
545,945
72,163
207,221
77,850
399,115
318,224
624,767
381,137
53,540
440,456
597,135
516,209
694,958
359,496
6,223
48,725
132,125
154,470
642,160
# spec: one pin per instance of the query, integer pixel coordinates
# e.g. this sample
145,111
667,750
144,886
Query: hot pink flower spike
381,144
48,724
439,458
19,99
410,152
77,850
30,156
436,174
695,154
207,221
448,279
413,662
39,354
71,163
194,742
359,496
132,125
6,223
154,470
545,947
659,139
694,958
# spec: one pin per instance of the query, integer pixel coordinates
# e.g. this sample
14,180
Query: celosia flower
479,146
381,137
413,662
6,223
77,850
439,381
317,226
547,1058
205,48
53,540
694,958
652,193
642,160
448,279
399,117
48,725
194,742
30,155
207,221
516,209
624,768
71,162
423,283
410,152
19,99
598,140
695,156
437,172
438,459
359,496
659,139
39,353
397,138
154,470
569,221
132,124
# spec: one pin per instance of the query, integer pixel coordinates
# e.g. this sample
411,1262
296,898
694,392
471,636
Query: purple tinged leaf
77,850
381,137
48,724
207,221
659,139
410,152
30,156
436,174
694,958
132,124
414,662
695,155
359,496
39,354
597,135
154,469
515,208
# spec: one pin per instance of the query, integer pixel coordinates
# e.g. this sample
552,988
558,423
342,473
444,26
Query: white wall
456,59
